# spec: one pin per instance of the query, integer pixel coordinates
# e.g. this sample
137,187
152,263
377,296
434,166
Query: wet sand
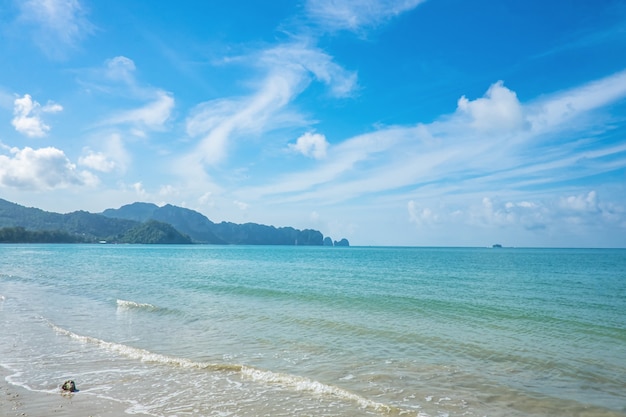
16,401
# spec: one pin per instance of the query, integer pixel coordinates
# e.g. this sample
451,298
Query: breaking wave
287,381
129,305
144,355
298,383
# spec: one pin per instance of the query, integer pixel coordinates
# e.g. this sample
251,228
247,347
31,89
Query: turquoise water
283,331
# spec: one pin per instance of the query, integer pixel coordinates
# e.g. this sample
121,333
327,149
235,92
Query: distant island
144,223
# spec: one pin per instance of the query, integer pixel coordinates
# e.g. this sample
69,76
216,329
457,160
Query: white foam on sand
299,383
19,400
144,355
291,382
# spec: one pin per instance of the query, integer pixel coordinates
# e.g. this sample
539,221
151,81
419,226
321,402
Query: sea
208,330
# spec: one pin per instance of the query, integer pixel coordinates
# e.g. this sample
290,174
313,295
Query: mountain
143,223
342,242
88,226
190,222
259,234
139,212
154,232
203,230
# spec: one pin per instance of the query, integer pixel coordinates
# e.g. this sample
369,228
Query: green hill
154,232
203,230
142,223
83,226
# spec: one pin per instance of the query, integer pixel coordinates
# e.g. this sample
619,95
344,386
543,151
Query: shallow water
263,330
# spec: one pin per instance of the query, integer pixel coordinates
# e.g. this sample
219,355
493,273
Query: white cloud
168,191
120,68
421,216
27,116
206,199
52,108
463,153
551,219
614,214
139,190
288,69
138,133
217,120
241,205
356,14
556,110
58,23
301,59
525,214
97,161
367,163
313,145
112,156
41,169
581,203
498,110
153,115
116,78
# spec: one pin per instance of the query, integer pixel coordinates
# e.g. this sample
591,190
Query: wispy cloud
286,70
57,24
117,78
493,144
302,60
141,110
28,116
584,38
120,69
355,15
152,116
558,109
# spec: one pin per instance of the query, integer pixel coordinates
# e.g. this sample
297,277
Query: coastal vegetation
21,235
143,223
154,232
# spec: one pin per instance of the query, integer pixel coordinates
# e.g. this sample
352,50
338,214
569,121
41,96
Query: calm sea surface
317,331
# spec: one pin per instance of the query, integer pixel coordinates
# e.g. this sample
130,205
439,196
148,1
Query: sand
20,402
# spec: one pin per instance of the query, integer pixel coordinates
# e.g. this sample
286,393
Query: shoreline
16,401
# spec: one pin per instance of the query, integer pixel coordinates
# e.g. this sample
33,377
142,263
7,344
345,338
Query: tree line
21,235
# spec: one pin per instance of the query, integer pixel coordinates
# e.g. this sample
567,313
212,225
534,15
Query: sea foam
142,354
299,383
124,304
291,382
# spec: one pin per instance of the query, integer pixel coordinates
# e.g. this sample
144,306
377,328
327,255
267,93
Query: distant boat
497,245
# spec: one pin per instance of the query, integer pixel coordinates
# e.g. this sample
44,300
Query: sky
386,122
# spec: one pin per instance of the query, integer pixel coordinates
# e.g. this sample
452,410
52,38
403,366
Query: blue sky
408,122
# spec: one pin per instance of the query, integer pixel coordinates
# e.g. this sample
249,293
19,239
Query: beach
21,402
284,331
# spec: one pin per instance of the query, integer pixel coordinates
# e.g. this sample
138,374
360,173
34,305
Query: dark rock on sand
69,386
